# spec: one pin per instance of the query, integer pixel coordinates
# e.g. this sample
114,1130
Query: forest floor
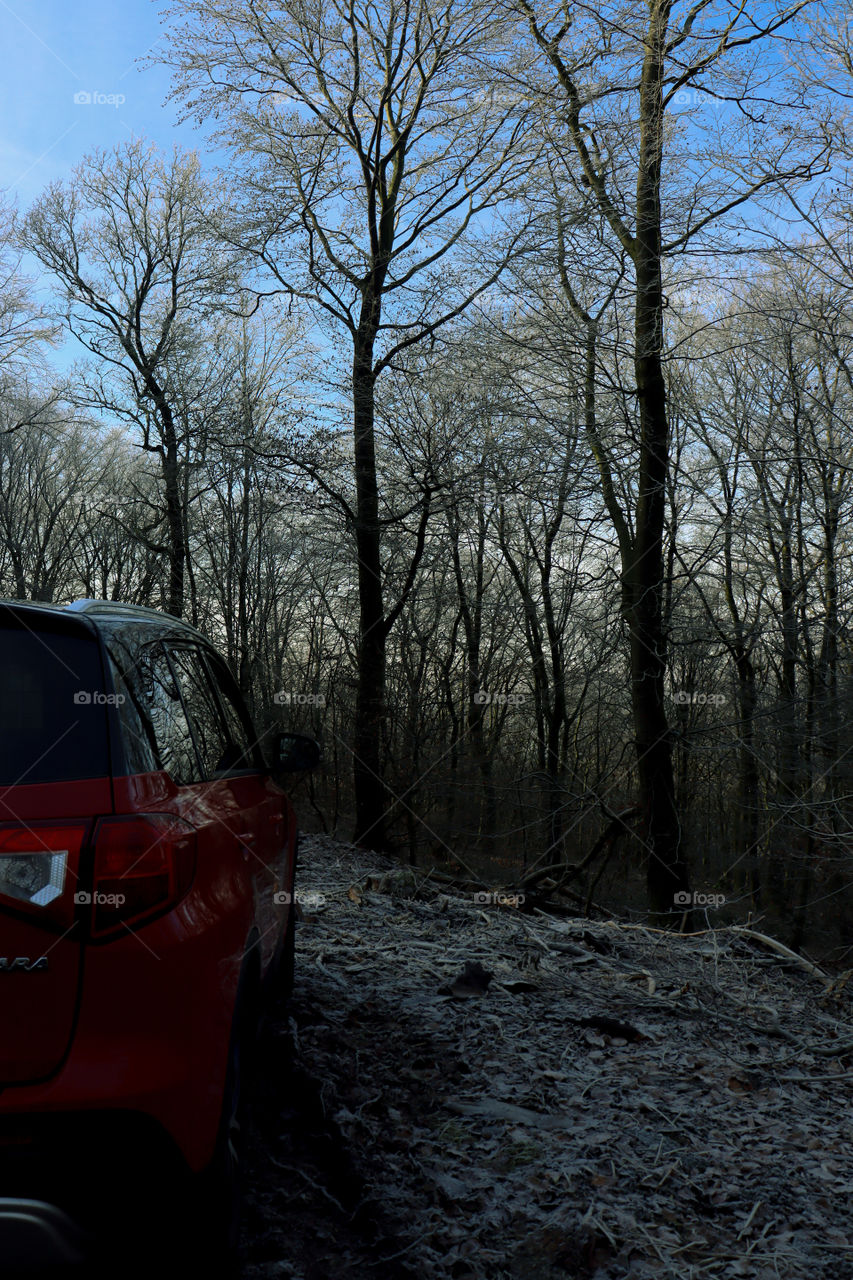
612,1102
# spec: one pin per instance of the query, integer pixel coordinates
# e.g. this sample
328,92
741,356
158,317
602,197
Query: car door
233,769
276,825
175,743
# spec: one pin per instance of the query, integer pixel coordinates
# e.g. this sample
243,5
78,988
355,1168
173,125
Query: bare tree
47,474
127,240
617,72
367,144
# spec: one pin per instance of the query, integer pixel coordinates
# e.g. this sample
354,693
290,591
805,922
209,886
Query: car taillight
144,864
38,860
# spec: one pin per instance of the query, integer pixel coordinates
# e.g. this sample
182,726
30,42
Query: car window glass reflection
218,751
168,719
240,728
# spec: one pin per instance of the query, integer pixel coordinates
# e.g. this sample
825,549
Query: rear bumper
155,1082
35,1236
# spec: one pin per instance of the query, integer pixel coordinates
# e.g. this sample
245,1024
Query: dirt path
309,1213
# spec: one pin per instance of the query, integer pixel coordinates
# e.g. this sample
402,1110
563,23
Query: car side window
140,745
239,721
220,750
168,719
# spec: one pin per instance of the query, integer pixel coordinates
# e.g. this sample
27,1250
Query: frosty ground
617,1102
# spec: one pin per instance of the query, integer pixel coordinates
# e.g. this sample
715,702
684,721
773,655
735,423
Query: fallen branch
571,871
495,1109
773,944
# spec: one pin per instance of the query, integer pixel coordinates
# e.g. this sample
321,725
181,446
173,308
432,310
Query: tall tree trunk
740,648
174,508
788,787
471,615
244,657
828,660
666,872
370,793
748,777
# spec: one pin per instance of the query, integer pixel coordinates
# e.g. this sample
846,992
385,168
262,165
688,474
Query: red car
147,856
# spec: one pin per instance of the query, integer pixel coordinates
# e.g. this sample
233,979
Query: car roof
112,615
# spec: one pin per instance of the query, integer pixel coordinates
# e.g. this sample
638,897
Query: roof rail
88,605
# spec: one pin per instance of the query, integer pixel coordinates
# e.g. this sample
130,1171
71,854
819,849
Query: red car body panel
141,1020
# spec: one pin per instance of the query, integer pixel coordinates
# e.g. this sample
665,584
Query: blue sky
56,50
72,83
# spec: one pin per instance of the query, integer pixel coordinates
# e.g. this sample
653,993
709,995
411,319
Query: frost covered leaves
605,1102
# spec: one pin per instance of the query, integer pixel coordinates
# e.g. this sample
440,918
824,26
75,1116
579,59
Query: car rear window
53,719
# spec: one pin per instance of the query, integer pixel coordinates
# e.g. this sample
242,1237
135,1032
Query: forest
483,390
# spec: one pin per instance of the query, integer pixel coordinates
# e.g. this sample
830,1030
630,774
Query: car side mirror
295,752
